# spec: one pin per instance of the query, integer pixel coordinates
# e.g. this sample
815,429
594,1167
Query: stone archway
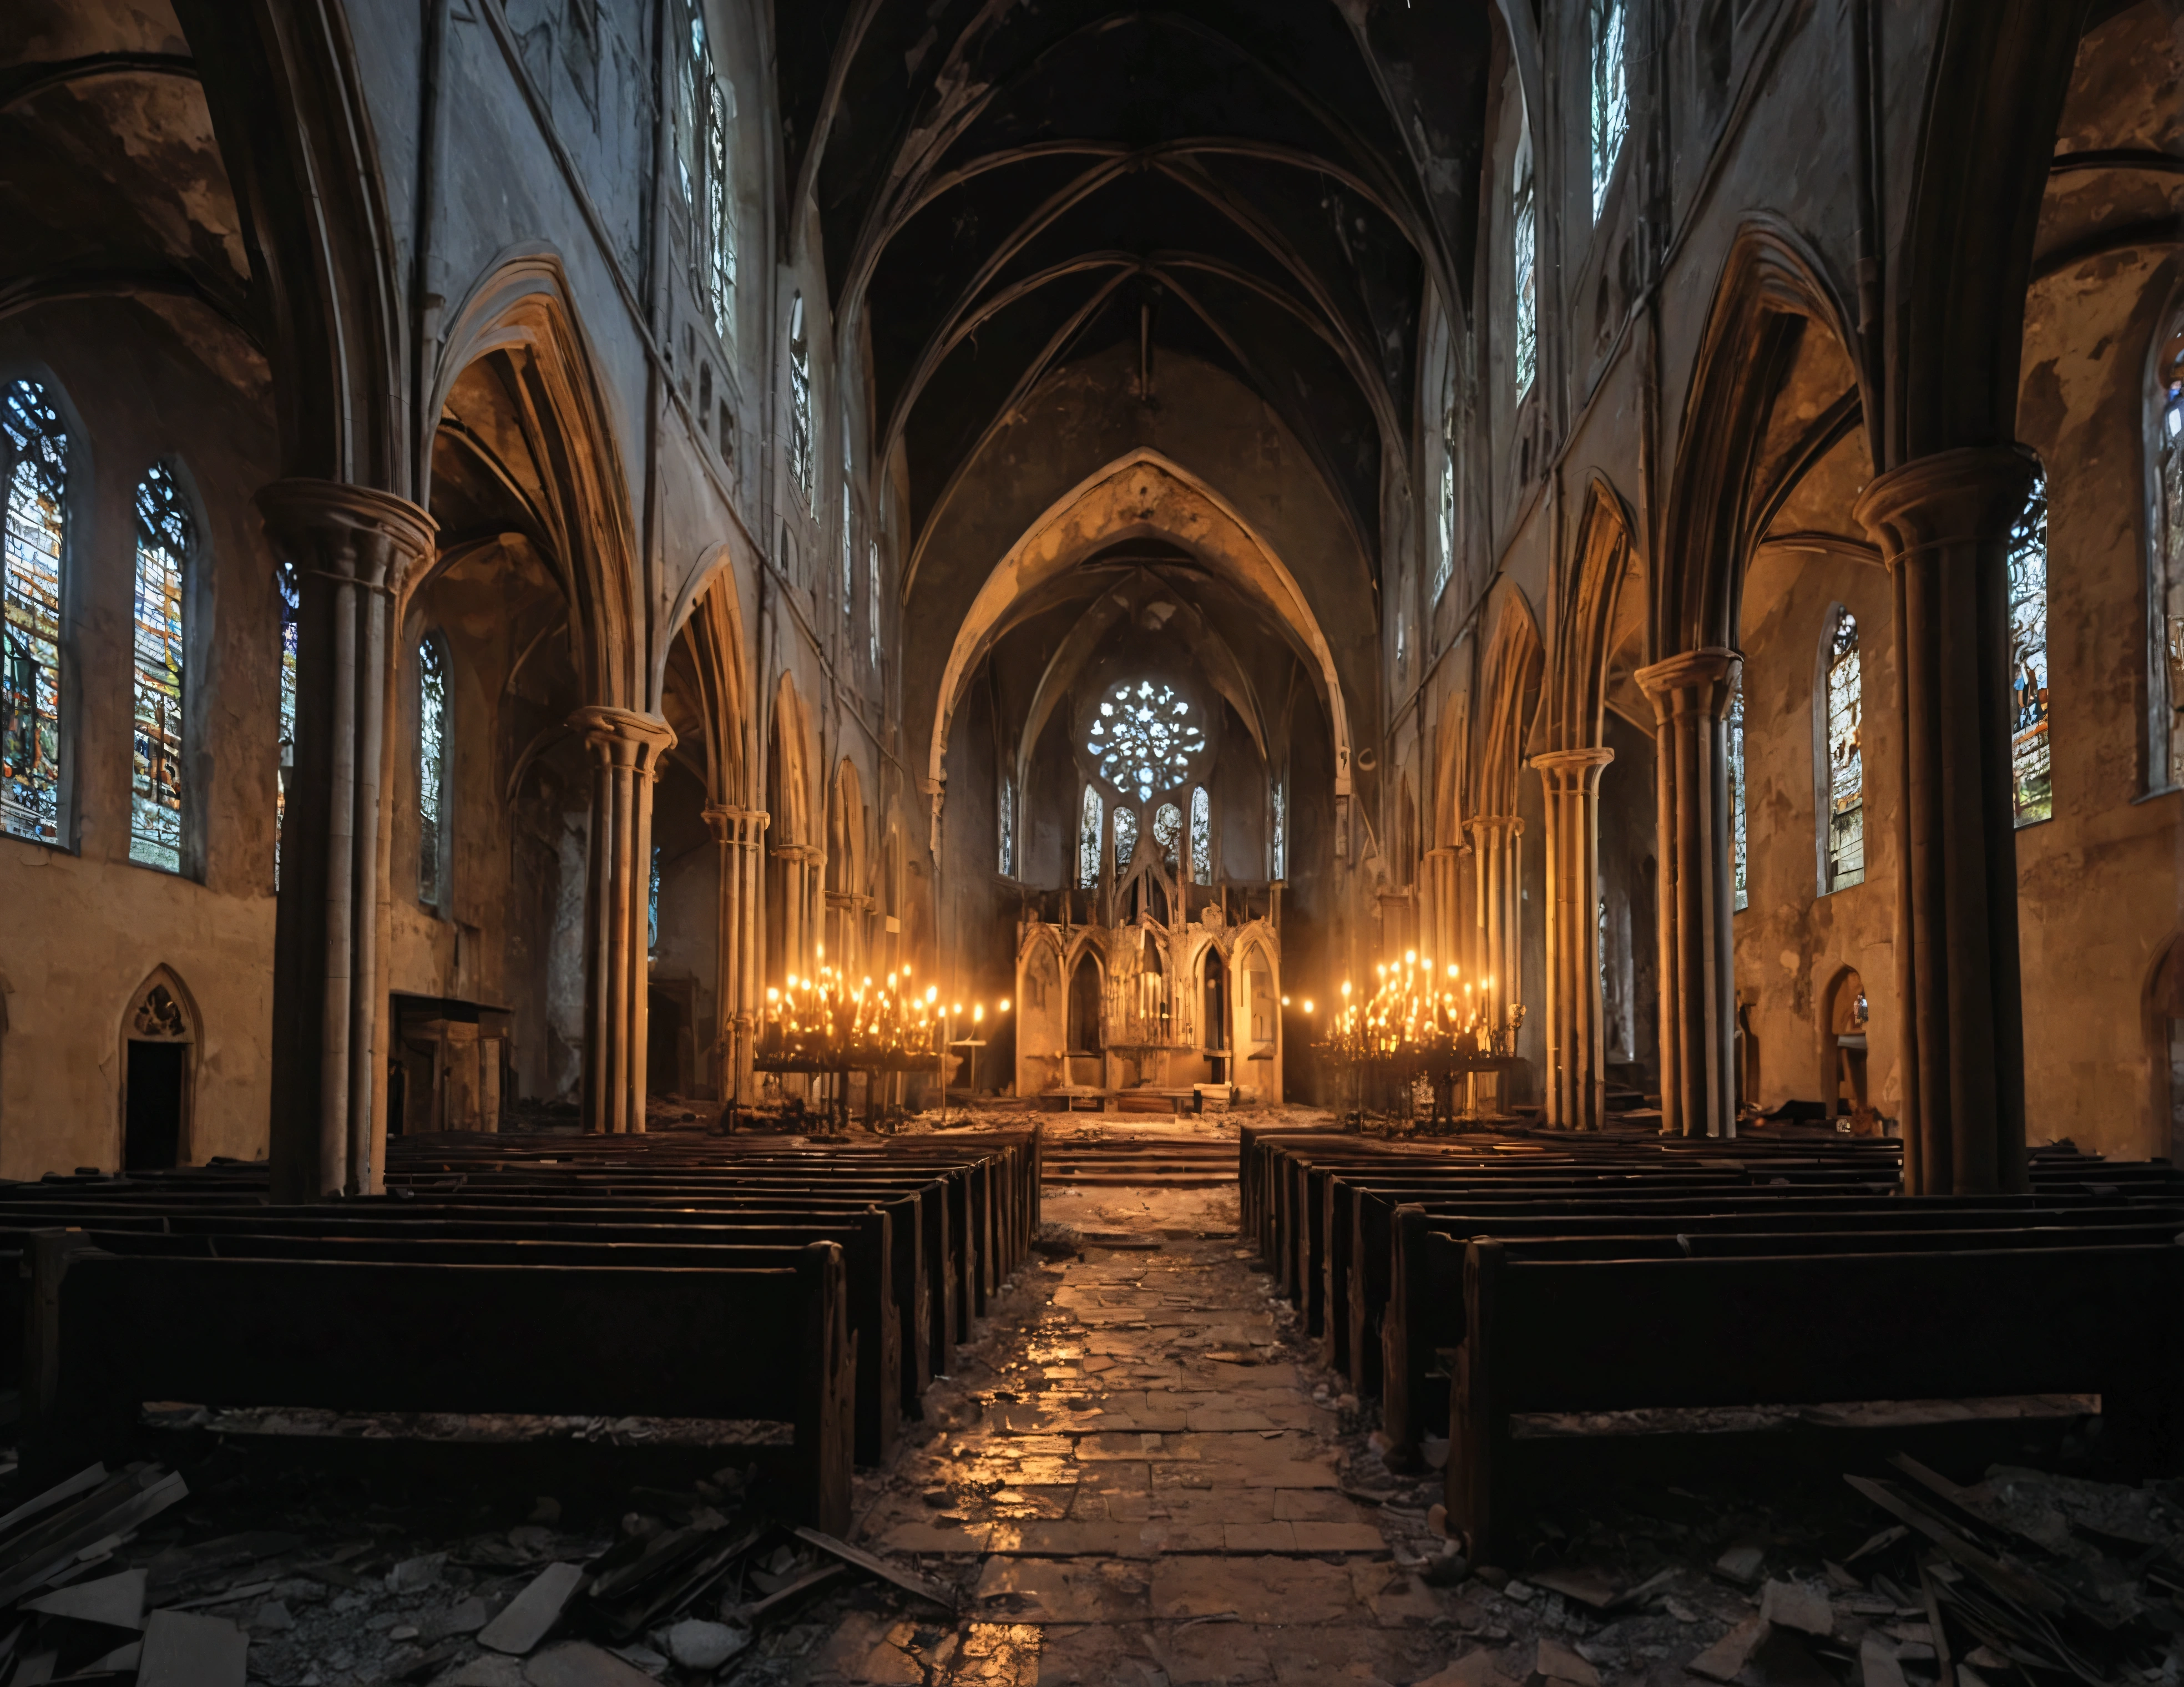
160,1037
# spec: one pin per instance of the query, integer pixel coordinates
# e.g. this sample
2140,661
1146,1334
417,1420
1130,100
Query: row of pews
1485,1285
672,1275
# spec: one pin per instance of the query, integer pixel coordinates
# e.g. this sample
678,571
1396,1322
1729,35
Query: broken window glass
1167,832
1280,806
2032,794
1845,807
157,754
1202,836
34,450
720,215
1091,827
432,770
1611,95
1144,736
1126,839
1524,238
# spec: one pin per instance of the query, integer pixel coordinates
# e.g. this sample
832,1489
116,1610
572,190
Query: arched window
34,452
799,401
2167,594
1006,814
1738,855
1202,836
1126,839
157,755
1167,832
1524,254
652,907
2031,785
849,546
1444,554
720,216
1845,793
1611,94
872,606
1278,829
432,770
1143,736
289,587
1091,829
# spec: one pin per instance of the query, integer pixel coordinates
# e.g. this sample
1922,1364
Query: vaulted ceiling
1007,188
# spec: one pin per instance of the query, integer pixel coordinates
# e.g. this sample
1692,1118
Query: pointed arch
704,663
1508,686
1577,693
788,768
1772,288
521,321
159,1036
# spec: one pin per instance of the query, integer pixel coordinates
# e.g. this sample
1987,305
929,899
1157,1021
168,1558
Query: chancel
1257,842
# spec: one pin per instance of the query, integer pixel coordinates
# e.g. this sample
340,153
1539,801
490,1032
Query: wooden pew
1562,1335
108,1331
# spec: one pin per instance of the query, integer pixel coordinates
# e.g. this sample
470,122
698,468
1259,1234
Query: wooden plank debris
182,1650
532,1613
908,1580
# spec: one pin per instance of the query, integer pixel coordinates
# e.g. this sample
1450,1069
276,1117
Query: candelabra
1418,1024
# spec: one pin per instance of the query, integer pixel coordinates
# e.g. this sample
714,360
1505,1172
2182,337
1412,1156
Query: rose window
1144,738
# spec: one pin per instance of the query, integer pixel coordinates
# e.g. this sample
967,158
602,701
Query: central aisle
1137,1487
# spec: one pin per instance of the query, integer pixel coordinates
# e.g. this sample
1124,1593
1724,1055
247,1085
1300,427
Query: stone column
738,834
1500,973
1576,1044
1943,523
353,549
625,750
1437,927
1691,695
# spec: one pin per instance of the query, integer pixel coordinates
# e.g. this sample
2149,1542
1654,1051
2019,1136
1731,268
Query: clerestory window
1740,856
1126,838
288,585
1524,252
159,756
433,862
1611,94
1091,829
2031,783
34,451
2165,595
1202,836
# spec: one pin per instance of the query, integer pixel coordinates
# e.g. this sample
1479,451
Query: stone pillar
353,550
1439,927
737,834
1576,1044
1691,695
1943,523
625,750
1500,974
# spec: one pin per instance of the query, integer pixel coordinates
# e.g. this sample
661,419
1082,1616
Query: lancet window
1278,828
1739,855
34,445
1444,552
1202,836
1144,738
157,755
1007,818
1611,93
289,587
872,603
1524,244
2166,595
652,907
2031,785
432,770
1126,838
799,401
1167,832
1846,757
1091,829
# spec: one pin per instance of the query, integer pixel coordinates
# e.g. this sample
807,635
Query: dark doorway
1084,1007
663,1044
152,1135
1213,1022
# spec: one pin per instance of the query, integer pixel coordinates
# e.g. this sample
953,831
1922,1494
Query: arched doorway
1213,1015
1843,1087
159,1044
1085,1040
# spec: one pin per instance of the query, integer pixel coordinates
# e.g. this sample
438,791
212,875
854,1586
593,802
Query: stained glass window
1611,94
686,137
2031,785
1846,839
2168,569
799,402
1144,736
156,755
1008,823
1739,856
1126,839
1167,832
1525,242
35,457
652,907
1202,836
720,218
290,588
432,770
1279,807
849,545
1091,828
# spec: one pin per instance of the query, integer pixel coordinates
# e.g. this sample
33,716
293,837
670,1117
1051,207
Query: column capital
732,825
623,737
1490,823
1949,497
350,532
1704,678
1563,771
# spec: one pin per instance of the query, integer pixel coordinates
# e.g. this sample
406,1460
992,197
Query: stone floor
1140,1485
